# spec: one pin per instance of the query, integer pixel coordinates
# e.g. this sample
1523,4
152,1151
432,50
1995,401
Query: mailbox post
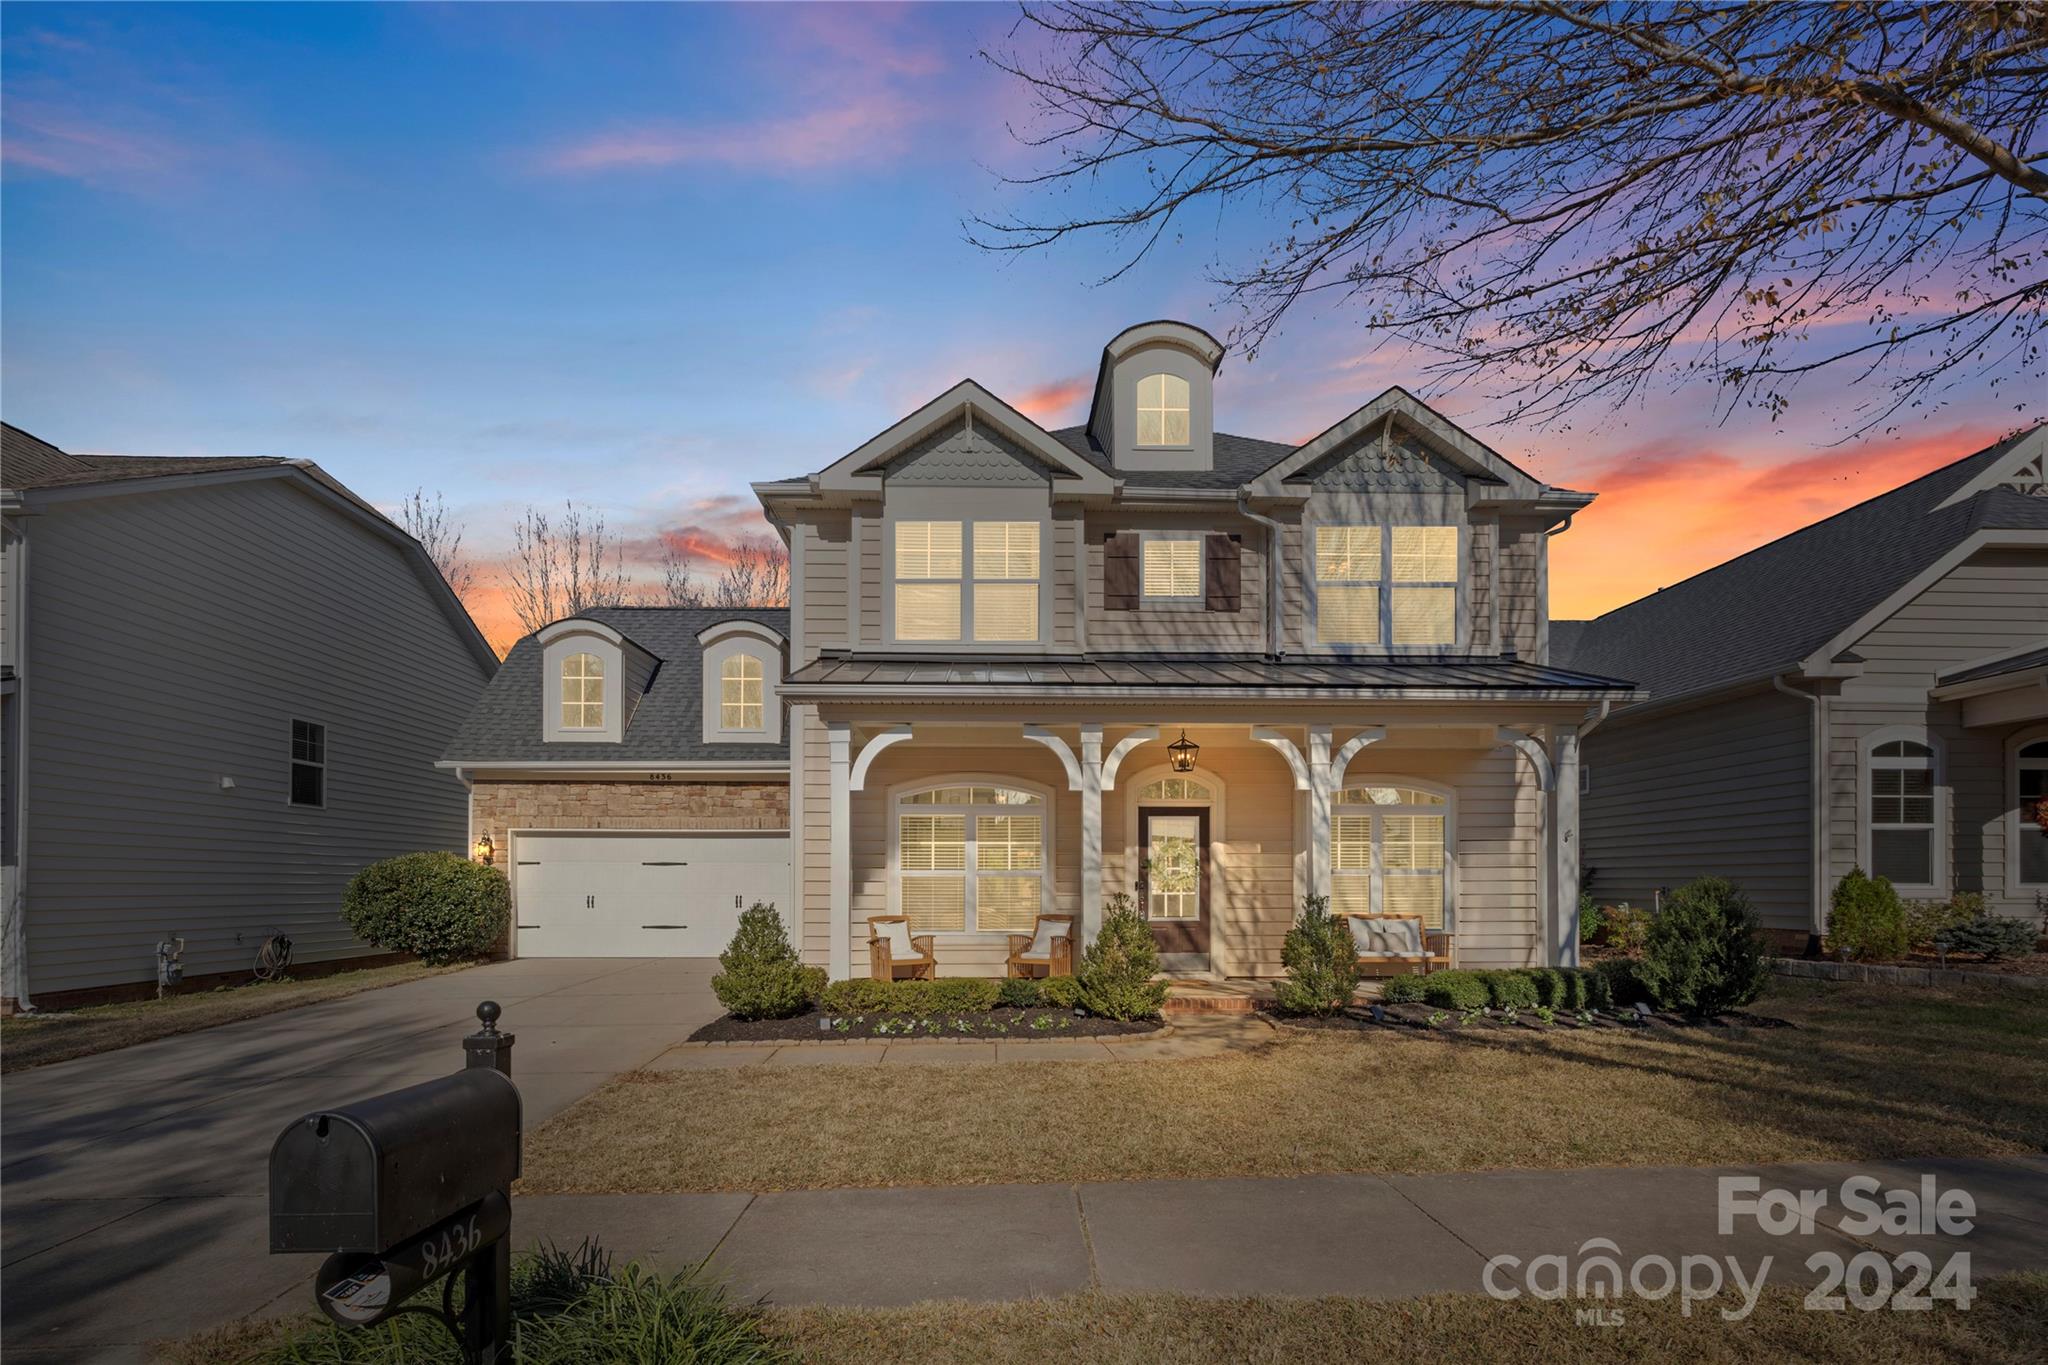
405,1189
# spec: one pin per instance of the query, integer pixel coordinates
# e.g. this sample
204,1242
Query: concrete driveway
132,1184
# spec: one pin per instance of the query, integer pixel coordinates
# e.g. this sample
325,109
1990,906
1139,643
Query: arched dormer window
1162,410
742,682
583,692
1904,826
740,693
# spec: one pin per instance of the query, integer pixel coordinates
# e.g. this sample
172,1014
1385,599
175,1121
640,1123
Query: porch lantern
1182,753
483,849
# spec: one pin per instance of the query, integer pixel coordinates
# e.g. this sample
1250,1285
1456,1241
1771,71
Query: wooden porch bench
1048,949
1393,944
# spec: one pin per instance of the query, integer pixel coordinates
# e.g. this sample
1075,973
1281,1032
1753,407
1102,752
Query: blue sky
638,256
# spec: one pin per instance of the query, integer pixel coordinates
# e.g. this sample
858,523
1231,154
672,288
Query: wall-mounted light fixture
483,849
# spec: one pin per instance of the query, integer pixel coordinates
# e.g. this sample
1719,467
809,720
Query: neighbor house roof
667,726
1999,668
1766,611
28,461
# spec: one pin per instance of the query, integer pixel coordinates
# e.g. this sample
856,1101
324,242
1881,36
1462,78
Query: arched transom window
1903,846
583,692
1175,789
1387,852
739,693
2030,837
971,858
1162,410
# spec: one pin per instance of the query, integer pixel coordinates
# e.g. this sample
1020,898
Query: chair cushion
896,934
1387,937
1040,947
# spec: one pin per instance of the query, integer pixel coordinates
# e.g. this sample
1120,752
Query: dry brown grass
1869,1073
40,1039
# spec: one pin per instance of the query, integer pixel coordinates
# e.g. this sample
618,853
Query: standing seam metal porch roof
1205,671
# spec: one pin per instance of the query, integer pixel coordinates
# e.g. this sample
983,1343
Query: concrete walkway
132,1184
1375,1236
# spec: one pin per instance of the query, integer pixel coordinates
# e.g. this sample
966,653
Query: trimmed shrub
861,995
1866,921
1550,985
1059,992
762,977
1706,951
440,907
1508,990
1578,988
1454,990
1117,969
1612,984
951,995
1402,990
1321,961
1625,928
1990,937
1926,919
1020,993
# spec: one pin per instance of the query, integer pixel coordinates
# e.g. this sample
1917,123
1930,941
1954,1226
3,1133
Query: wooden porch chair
1047,950
1395,945
892,948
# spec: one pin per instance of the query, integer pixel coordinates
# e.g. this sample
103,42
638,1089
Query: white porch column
1091,832
839,738
1565,828
1320,794
1531,748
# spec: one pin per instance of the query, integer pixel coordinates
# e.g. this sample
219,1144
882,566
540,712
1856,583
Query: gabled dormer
1155,398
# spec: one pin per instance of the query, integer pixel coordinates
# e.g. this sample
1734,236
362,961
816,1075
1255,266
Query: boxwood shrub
1509,990
1614,985
762,977
1402,990
440,907
1550,986
951,995
1454,990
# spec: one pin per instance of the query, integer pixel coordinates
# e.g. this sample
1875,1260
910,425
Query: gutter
1817,798
1273,607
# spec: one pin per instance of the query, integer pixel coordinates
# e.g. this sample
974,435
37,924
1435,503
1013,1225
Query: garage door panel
642,895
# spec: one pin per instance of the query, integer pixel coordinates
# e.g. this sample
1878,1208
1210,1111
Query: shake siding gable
175,637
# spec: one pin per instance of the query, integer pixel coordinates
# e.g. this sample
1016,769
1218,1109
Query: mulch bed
1013,1024
1359,1019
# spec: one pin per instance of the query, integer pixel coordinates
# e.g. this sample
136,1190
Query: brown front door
1173,846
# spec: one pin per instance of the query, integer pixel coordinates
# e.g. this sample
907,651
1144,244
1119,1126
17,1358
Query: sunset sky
639,256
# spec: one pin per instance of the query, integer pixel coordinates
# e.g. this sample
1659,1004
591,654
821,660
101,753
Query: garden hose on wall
274,958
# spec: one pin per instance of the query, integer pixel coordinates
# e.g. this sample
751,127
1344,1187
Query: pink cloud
1052,403
41,138
869,128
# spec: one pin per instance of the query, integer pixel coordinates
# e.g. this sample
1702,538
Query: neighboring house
1871,691
630,768
224,683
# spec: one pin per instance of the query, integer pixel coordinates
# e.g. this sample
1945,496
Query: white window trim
2021,826
1199,599
1938,764
1046,872
968,509
1138,410
293,760
1387,523
1449,811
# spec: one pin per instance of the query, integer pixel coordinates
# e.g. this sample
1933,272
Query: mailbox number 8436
452,1247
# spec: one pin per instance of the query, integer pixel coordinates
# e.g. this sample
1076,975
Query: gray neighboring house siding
175,630
1880,613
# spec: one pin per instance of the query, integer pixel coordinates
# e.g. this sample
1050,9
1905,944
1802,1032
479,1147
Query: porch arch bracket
1530,748
1265,734
1340,762
1061,750
872,750
1115,760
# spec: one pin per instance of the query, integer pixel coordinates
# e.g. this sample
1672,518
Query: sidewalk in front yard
1367,1235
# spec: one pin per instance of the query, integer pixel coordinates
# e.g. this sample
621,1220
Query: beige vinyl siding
1180,627
1995,602
1068,565
813,856
1522,586
1722,789
1485,543
873,560
827,587
174,637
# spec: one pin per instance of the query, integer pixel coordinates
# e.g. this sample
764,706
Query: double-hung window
2030,773
971,859
309,764
990,596
1903,846
1387,585
1387,852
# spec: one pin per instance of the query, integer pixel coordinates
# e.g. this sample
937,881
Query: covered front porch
971,821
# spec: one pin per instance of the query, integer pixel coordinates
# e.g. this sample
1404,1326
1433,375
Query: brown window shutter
1223,574
1120,571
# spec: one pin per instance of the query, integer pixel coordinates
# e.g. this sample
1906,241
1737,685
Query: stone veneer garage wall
500,807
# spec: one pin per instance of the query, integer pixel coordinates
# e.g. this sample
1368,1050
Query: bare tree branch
758,576
564,567
440,535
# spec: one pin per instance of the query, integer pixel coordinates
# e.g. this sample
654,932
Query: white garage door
642,895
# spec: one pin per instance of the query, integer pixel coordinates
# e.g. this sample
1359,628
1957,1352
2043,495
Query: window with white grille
1387,852
971,858
990,596
1171,568
583,692
1903,836
740,694
1387,585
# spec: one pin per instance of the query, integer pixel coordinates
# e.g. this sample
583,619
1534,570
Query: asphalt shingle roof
30,462
1762,612
2018,663
666,727
1237,460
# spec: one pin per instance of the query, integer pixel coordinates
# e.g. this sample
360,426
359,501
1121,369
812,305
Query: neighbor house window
1903,846
739,693
583,692
1387,852
1162,410
309,764
1387,585
2032,781
935,600
971,859
1171,569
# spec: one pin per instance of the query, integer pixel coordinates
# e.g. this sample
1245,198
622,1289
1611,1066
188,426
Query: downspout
14,949
1817,798
1606,705
1273,603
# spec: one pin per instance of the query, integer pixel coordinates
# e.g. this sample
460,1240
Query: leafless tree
1565,201
679,587
562,567
757,576
440,535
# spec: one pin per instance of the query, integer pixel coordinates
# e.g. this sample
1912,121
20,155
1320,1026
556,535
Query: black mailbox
369,1176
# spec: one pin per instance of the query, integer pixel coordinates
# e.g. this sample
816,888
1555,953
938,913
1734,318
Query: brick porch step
1217,997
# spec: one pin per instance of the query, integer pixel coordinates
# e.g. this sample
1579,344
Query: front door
1174,879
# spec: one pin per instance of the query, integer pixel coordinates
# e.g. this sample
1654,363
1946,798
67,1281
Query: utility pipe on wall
1817,794
1273,604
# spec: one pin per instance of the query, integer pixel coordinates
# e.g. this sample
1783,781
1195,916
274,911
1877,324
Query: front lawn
40,1039
1866,1073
